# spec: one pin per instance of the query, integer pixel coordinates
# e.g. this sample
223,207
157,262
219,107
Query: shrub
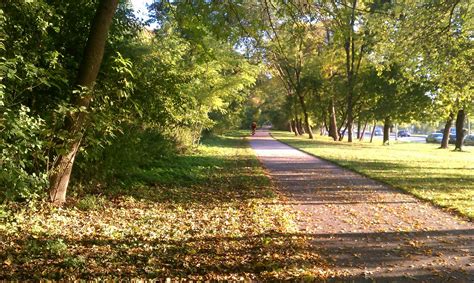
23,173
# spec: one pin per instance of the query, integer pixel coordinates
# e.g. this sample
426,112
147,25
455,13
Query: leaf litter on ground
230,227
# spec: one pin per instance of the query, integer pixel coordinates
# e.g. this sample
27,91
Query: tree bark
307,126
87,74
293,127
332,122
350,118
460,129
297,119
301,126
361,136
373,131
349,47
386,131
446,131
359,127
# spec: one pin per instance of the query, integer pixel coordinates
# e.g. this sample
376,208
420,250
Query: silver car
434,137
469,140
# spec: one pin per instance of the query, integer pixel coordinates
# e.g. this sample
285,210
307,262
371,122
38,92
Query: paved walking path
365,228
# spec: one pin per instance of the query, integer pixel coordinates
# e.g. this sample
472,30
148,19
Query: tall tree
75,123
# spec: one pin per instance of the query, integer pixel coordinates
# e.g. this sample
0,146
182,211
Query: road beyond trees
365,228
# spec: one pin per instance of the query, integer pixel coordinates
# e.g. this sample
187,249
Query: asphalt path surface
366,229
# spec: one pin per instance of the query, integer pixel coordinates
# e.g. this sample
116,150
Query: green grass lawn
207,215
443,177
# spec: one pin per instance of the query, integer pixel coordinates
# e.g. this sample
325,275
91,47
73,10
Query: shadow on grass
412,176
383,256
218,172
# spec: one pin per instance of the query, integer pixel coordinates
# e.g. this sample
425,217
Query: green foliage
56,247
212,66
74,262
165,83
114,163
90,202
22,159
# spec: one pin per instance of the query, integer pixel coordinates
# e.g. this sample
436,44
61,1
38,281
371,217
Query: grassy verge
443,177
207,215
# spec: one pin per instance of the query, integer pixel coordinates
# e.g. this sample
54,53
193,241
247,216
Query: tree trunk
361,136
460,129
350,58
301,127
324,126
323,129
293,126
87,74
386,131
446,131
307,126
359,127
373,131
332,122
297,121
350,121
343,133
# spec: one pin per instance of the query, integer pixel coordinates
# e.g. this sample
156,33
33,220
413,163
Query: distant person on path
254,127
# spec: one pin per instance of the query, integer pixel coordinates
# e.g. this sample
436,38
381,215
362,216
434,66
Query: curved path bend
366,229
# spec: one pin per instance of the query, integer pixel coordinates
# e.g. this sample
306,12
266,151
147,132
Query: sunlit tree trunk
332,122
359,127
447,128
88,70
350,118
349,47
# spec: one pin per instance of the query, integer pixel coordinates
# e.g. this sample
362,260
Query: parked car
434,137
469,140
378,132
403,133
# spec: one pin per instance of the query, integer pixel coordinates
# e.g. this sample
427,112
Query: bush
113,164
23,173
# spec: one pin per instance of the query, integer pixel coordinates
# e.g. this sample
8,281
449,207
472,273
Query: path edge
266,171
448,210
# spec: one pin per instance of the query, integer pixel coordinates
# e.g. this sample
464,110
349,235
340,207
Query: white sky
140,8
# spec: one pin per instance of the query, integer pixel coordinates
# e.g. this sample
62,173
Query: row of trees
350,62
79,76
